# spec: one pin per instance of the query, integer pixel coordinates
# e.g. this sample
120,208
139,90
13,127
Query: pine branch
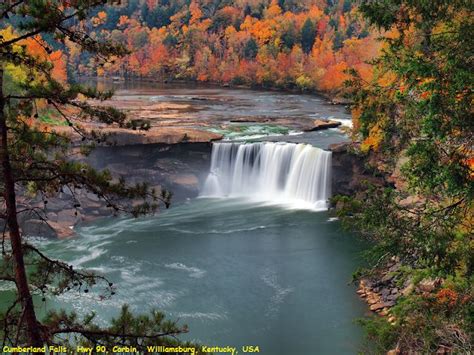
45,28
68,269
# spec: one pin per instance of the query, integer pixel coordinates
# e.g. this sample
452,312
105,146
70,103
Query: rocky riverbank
178,107
180,168
382,290
334,97
388,281
350,174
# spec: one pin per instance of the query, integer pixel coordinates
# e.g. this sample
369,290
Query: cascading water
292,174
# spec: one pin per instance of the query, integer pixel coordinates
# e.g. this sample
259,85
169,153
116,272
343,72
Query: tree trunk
32,326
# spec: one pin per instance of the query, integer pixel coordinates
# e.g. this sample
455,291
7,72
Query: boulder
67,217
322,124
372,299
91,196
387,277
38,228
381,305
394,267
62,232
339,147
377,306
59,204
428,285
366,283
90,205
52,216
392,297
28,215
384,292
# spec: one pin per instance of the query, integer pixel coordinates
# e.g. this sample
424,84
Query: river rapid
237,113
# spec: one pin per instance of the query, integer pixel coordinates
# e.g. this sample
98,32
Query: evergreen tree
247,10
289,37
308,36
338,41
170,41
281,3
36,159
346,7
250,49
415,123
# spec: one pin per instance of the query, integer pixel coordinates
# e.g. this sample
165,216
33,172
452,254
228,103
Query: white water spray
297,175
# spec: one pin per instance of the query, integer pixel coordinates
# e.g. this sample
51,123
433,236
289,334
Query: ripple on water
193,271
269,277
220,231
202,315
94,254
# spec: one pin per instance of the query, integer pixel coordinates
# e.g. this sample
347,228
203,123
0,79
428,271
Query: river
237,273
238,113
238,270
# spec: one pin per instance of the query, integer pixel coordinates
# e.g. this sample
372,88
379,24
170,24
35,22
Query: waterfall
297,175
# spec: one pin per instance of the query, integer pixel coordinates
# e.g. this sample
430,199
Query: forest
307,45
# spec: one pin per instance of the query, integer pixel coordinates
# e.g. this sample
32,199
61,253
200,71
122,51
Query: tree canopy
415,124
37,162
291,44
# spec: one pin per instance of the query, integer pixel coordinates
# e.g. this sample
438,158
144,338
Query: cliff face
179,168
349,171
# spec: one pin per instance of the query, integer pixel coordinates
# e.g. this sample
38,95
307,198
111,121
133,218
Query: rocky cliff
180,168
349,170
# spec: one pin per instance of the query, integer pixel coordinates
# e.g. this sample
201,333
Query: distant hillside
286,44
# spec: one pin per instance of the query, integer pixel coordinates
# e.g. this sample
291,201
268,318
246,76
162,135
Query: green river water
236,273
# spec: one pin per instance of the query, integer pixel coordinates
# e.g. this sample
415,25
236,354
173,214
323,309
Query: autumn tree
415,124
36,159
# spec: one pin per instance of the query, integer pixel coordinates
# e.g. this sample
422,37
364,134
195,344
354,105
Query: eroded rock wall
349,171
179,168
